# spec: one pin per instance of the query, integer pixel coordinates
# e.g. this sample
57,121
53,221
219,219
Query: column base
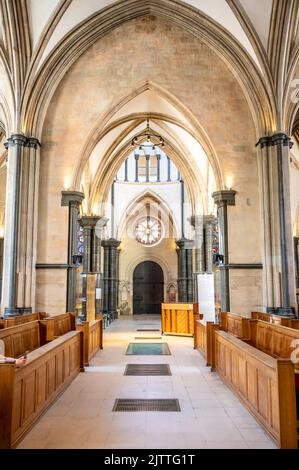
16,312
282,311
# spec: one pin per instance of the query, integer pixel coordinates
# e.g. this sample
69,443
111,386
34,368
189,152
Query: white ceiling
259,12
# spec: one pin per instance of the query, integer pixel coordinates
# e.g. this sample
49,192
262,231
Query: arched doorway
148,288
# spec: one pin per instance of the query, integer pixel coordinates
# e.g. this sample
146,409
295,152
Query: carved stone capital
185,244
112,242
89,221
71,197
226,197
23,141
280,138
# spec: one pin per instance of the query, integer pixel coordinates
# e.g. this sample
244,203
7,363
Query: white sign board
206,296
98,294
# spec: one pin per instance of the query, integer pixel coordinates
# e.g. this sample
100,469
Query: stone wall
141,50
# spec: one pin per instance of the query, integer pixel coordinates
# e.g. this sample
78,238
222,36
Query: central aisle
211,416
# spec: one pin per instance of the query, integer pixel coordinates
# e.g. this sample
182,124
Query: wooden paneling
20,320
204,339
92,338
178,319
276,319
19,339
58,325
264,384
237,325
27,392
275,340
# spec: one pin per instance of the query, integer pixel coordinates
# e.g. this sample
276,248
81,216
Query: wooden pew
19,339
93,338
204,338
272,339
276,319
264,384
58,325
235,324
14,321
26,393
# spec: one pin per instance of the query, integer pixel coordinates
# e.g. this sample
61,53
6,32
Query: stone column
158,168
110,277
197,223
90,258
208,221
147,167
72,200
223,199
136,168
117,276
185,270
20,225
279,275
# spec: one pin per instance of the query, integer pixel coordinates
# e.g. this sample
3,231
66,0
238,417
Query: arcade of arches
149,154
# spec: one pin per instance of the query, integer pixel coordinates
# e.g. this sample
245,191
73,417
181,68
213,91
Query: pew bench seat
264,384
26,393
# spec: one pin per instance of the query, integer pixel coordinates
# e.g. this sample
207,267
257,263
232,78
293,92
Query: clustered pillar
20,233
223,199
185,270
110,278
278,272
91,260
72,200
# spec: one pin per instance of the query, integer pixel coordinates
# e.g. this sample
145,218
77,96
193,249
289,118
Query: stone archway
148,288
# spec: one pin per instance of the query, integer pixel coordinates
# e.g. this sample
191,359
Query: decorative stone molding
275,139
71,197
225,197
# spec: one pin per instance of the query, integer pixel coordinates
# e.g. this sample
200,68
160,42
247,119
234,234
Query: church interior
149,224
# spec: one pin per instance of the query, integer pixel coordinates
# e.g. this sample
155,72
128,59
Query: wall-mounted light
1,231
67,183
229,182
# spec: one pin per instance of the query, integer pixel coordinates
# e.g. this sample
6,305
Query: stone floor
211,416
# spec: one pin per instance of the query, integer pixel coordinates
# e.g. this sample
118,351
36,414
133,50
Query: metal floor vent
146,405
147,369
146,330
148,337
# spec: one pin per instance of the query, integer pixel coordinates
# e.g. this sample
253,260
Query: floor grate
147,369
146,405
146,330
148,349
148,337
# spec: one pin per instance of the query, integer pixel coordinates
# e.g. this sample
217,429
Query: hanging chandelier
148,135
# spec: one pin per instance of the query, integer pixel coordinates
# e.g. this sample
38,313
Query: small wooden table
178,319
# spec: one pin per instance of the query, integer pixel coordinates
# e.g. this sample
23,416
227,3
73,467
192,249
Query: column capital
71,197
280,138
89,221
225,197
112,242
184,244
209,219
22,140
199,220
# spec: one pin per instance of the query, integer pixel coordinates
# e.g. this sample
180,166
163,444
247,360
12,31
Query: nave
211,416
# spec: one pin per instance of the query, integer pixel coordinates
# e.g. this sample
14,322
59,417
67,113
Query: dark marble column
147,167
136,168
223,199
110,277
22,153
277,149
208,221
185,270
158,168
91,256
73,200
